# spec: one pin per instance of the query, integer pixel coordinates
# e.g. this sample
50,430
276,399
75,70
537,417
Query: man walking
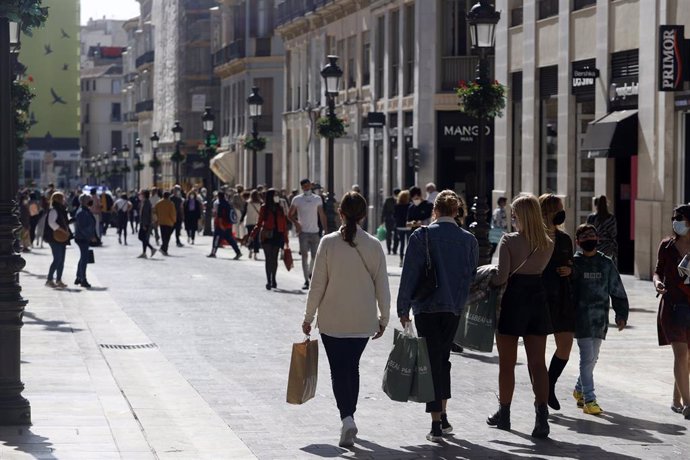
305,212
177,199
96,210
225,217
167,216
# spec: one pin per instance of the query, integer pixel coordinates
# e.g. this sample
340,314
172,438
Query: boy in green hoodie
595,280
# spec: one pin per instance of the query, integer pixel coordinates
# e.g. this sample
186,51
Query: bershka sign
583,79
671,58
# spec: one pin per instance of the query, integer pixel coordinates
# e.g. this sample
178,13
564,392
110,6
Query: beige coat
344,293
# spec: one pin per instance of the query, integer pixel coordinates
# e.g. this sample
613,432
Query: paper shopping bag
304,366
422,381
287,259
477,325
397,377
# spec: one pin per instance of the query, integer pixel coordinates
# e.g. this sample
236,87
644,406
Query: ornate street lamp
482,20
138,150
207,122
154,162
177,156
331,74
125,166
255,103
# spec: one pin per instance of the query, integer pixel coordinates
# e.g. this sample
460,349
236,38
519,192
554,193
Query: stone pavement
214,385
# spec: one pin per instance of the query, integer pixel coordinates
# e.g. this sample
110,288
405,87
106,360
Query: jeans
99,227
343,357
271,252
219,234
390,236
83,259
439,331
403,234
308,242
589,354
144,235
178,232
58,263
166,233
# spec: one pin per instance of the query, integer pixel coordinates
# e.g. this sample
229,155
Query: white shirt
308,211
122,205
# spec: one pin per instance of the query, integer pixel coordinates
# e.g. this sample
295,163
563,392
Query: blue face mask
680,227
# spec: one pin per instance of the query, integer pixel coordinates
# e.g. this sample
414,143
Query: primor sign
672,58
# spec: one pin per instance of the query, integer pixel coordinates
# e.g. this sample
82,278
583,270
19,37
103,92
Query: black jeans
58,264
271,252
83,259
402,236
439,331
178,232
343,358
144,235
226,235
390,236
166,233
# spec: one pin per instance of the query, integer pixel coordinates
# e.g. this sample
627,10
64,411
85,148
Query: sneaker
306,285
143,256
592,408
237,256
446,427
50,283
348,432
60,284
436,433
153,252
579,398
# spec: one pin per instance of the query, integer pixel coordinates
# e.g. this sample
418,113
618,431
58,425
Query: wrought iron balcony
145,58
291,9
234,50
144,106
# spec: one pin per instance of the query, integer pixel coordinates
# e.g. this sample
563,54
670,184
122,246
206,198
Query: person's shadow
555,448
55,326
23,439
286,291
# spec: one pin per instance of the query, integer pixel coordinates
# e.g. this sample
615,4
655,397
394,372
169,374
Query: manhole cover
128,347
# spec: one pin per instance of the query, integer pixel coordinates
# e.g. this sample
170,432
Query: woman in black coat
192,214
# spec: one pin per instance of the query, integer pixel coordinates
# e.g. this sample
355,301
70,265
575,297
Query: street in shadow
23,439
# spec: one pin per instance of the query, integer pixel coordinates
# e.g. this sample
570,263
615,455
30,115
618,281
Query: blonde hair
528,212
550,205
404,197
447,203
58,195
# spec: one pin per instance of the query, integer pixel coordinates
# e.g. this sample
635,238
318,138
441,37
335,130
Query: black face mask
559,217
589,245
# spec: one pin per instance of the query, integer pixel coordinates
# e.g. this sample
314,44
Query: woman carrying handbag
57,234
272,231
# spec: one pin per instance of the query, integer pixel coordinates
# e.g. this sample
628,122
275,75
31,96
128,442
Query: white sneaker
348,432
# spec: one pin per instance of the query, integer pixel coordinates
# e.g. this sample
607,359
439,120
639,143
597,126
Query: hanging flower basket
155,163
139,166
257,144
330,127
125,169
479,101
177,157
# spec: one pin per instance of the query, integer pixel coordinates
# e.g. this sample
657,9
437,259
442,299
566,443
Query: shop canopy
613,135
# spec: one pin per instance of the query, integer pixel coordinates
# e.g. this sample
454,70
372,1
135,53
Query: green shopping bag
477,325
422,381
381,232
397,377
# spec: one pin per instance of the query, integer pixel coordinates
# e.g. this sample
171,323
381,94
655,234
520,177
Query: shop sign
671,58
583,79
376,119
623,90
463,133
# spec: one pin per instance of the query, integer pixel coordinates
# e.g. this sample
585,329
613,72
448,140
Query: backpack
232,215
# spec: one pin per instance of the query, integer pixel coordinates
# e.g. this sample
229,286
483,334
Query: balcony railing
130,117
145,58
456,68
291,9
144,106
234,50
130,77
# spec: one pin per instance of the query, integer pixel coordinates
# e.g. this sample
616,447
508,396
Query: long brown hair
353,207
550,204
528,212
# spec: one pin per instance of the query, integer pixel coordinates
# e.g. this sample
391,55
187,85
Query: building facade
248,53
585,116
401,59
100,32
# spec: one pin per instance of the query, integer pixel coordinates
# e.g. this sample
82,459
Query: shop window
547,8
516,17
585,166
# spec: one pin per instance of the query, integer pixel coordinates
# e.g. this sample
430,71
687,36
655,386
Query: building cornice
240,65
320,18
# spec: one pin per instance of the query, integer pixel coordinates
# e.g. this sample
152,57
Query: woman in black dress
556,279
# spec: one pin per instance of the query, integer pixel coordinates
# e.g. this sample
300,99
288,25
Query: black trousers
166,233
271,251
343,358
178,231
439,331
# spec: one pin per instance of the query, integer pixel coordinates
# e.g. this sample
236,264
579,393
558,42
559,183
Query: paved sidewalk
98,389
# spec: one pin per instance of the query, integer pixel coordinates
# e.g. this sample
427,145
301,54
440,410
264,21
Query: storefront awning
613,135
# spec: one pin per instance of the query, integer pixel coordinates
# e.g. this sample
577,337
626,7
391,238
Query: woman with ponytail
349,292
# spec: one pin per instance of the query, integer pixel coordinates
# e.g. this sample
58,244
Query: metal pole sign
672,58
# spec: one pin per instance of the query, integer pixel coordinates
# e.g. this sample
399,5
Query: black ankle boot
541,422
501,419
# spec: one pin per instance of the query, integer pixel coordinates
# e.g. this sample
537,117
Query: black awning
613,135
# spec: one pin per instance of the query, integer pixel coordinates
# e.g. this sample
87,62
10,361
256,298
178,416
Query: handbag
60,235
287,259
680,315
304,367
428,282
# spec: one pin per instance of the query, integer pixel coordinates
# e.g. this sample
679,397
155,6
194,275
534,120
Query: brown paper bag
304,367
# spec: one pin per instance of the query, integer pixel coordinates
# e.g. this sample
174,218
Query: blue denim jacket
455,256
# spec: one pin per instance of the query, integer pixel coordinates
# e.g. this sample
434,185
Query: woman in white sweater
349,280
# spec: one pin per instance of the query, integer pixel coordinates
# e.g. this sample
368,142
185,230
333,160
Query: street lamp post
138,149
482,20
115,160
177,156
207,122
125,166
14,408
106,160
255,103
331,74
154,146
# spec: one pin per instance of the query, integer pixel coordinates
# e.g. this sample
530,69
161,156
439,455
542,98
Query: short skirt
524,308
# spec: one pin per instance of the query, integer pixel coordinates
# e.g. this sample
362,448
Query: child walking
596,279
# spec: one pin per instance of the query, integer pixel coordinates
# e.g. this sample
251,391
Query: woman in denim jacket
454,255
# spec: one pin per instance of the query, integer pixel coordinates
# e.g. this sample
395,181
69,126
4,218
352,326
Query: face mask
417,201
89,203
307,192
680,227
559,217
276,199
589,245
